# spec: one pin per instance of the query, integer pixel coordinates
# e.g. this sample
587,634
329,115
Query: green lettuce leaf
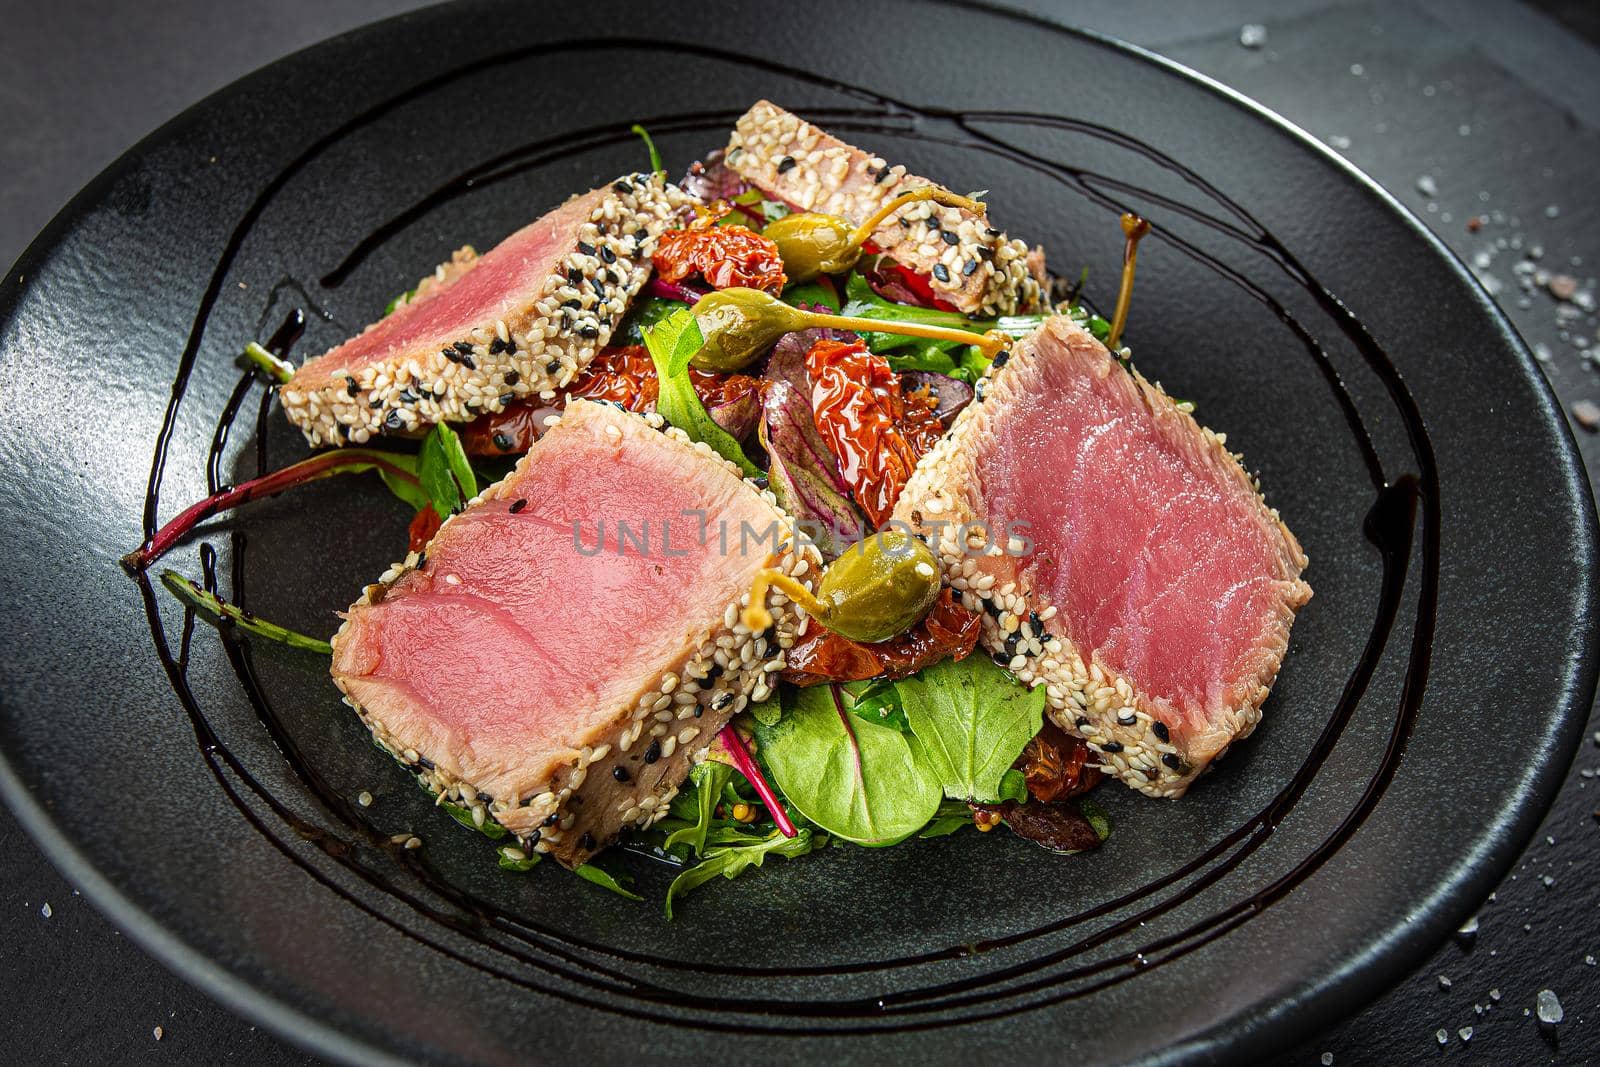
973,720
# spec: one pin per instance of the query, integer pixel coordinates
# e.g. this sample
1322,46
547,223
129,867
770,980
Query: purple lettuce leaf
804,474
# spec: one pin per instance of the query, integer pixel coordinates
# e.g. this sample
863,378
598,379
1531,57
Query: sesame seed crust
1126,728
538,348
974,267
674,718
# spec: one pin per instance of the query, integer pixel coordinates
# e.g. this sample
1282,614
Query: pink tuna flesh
500,283
511,648
1160,558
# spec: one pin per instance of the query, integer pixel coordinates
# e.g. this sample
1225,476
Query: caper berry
880,587
739,325
813,244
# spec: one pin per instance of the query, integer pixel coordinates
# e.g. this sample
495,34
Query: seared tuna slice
520,320
554,674
967,263
1125,560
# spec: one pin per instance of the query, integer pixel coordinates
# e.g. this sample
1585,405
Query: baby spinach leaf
1014,786
590,873
671,343
856,779
734,854
408,491
812,294
1096,816
951,816
973,720
876,700
768,712
708,779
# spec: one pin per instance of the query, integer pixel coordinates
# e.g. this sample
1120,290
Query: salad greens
730,853
590,873
671,342
221,613
444,471
972,722
656,166
277,369
866,783
709,779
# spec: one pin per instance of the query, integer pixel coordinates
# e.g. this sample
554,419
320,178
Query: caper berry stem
757,618
864,232
990,343
1133,229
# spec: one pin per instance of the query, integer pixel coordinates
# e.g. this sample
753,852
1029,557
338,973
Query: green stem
275,368
220,612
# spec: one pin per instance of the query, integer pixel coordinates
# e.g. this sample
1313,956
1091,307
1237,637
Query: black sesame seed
950,237
507,398
572,304
622,187
1161,731
714,671
586,248
653,752
786,164
552,366
611,276
1081,723
589,331
722,701
979,390
699,711
533,837
620,773
905,223
933,222
1111,746
599,287
464,348
586,842
350,386
1127,719
512,377
1171,760
451,354
941,272
574,276
485,798
1001,658
376,404
550,820
881,176
422,561
408,397
425,763
607,255
469,363
986,253
1001,360
502,442
518,504
393,420
992,232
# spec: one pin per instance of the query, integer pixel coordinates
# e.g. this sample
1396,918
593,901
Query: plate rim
1264,1027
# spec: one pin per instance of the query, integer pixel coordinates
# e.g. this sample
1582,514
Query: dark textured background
1481,116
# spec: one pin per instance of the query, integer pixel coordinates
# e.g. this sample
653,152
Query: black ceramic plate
197,788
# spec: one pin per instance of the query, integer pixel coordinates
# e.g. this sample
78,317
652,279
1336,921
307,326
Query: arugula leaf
735,854
856,779
708,779
672,342
646,312
974,720
590,873
509,860
655,157
812,294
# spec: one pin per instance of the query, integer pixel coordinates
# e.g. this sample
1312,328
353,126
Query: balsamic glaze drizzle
362,854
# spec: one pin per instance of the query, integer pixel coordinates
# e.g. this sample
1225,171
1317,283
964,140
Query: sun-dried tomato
424,524
725,256
876,431
625,376
1053,764
1057,827
824,656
